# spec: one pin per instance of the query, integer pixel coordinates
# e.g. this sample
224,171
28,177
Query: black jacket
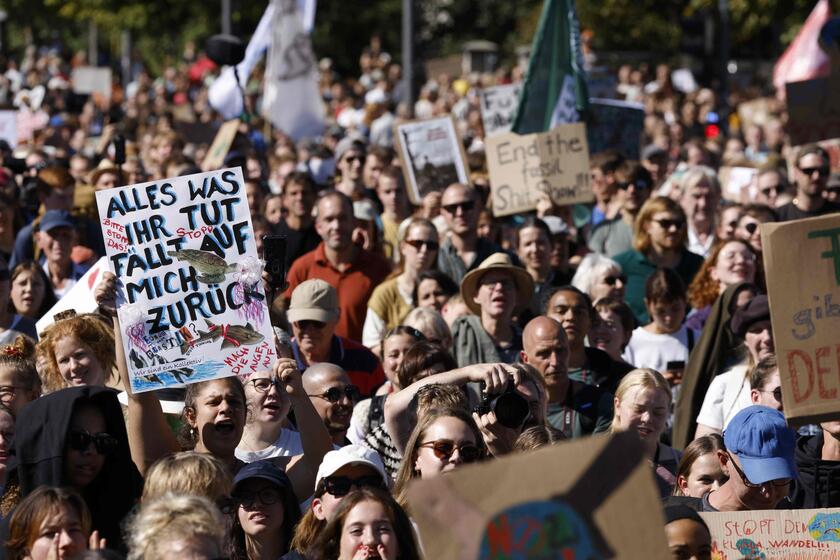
818,485
39,445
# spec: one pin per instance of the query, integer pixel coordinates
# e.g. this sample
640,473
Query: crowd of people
413,339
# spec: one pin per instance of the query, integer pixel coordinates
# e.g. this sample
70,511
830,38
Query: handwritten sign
802,534
591,498
432,156
191,302
220,147
91,79
616,125
80,298
814,109
521,167
802,263
498,107
739,183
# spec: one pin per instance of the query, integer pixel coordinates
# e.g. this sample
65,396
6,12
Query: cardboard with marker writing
553,163
590,498
802,534
802,265
220,147
190,303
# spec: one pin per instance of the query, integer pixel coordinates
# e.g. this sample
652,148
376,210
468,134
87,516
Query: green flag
555,86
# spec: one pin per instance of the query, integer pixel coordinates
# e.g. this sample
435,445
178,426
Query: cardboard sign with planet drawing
190,300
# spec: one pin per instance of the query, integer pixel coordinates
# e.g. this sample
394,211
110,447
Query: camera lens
511,409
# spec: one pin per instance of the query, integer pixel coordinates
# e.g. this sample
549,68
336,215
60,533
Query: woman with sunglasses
599,277
660,240
729,263
266,512
393,299
442,441
749,230
766,383
76,437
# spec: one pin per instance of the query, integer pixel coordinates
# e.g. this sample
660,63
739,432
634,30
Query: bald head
546,347
317,375
326,384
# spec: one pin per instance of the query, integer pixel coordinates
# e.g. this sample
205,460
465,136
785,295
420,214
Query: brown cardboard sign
555,163
802,264
786,533
218,151
814,109
432,156
590,498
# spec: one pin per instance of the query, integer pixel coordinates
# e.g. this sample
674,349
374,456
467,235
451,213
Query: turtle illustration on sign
211,266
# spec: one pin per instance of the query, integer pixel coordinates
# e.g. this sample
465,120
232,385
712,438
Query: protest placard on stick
191,304
521,167
591,498
789,533
220,147
498,107
432,156
814,109
802,267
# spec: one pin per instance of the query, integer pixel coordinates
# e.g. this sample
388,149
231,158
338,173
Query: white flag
292,99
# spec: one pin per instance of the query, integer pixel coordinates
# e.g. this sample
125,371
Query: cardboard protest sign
802,264
88,80
498,107
220,147
615,125
432,156
814,109
521,167
80,298
788,533
738,183
9,127
191,302
590,498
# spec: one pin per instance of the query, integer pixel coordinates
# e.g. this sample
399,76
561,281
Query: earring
192,433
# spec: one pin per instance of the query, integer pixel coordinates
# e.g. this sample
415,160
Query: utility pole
408,53
93,40
226,17
125,58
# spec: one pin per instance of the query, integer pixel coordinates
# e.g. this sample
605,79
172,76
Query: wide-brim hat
105,166
498,262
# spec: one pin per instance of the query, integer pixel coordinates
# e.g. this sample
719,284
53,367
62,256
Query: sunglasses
465,206
777,393
420,243
668,224
641,185
340,486
350,159
335,394
611,280
308,324
822,171
779,482
767,191
262,385
444,448
266,497
80,440
751,227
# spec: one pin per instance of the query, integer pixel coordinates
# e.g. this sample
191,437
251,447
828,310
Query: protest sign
220,147
9,127
738,183
498,107
615,125
197,132
191,305
88,80
80,298
814,109
788,533
756,112
432,156
521,167
590,498
802,264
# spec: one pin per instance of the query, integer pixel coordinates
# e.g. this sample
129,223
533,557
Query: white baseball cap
351,455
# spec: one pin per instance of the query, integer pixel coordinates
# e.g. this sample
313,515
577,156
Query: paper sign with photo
432,156
192,306
591,498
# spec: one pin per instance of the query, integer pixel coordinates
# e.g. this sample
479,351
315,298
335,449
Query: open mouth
224,427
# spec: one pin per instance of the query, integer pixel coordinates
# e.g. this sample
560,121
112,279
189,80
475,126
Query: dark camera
510,407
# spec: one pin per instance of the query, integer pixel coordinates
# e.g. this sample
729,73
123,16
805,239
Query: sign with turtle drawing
190,299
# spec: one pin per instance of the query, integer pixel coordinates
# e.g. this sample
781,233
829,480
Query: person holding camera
575,408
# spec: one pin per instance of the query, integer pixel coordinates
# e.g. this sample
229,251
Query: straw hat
106,166
501,262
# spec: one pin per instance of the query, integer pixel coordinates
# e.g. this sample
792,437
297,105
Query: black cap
755,310
264,469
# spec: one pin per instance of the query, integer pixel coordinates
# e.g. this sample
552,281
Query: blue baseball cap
264,469
55,218
764,444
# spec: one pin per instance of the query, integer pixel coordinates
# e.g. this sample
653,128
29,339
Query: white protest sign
9,127
192,305
498,107
91,79
80,298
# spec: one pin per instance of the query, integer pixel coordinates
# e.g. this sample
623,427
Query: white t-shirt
287,445
728,394
649,350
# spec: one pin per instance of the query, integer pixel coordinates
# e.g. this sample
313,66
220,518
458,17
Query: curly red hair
704,289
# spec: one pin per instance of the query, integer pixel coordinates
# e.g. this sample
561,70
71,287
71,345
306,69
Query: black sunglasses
779,482
822,171
668,224
428,243
777,393
775,189
751,227
444,448
335,394
465,206
611,280
80,440
266,497
340,486
306,324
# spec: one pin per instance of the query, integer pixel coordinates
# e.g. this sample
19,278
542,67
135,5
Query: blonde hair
642,377
190,473
173,517
641,239
429,322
